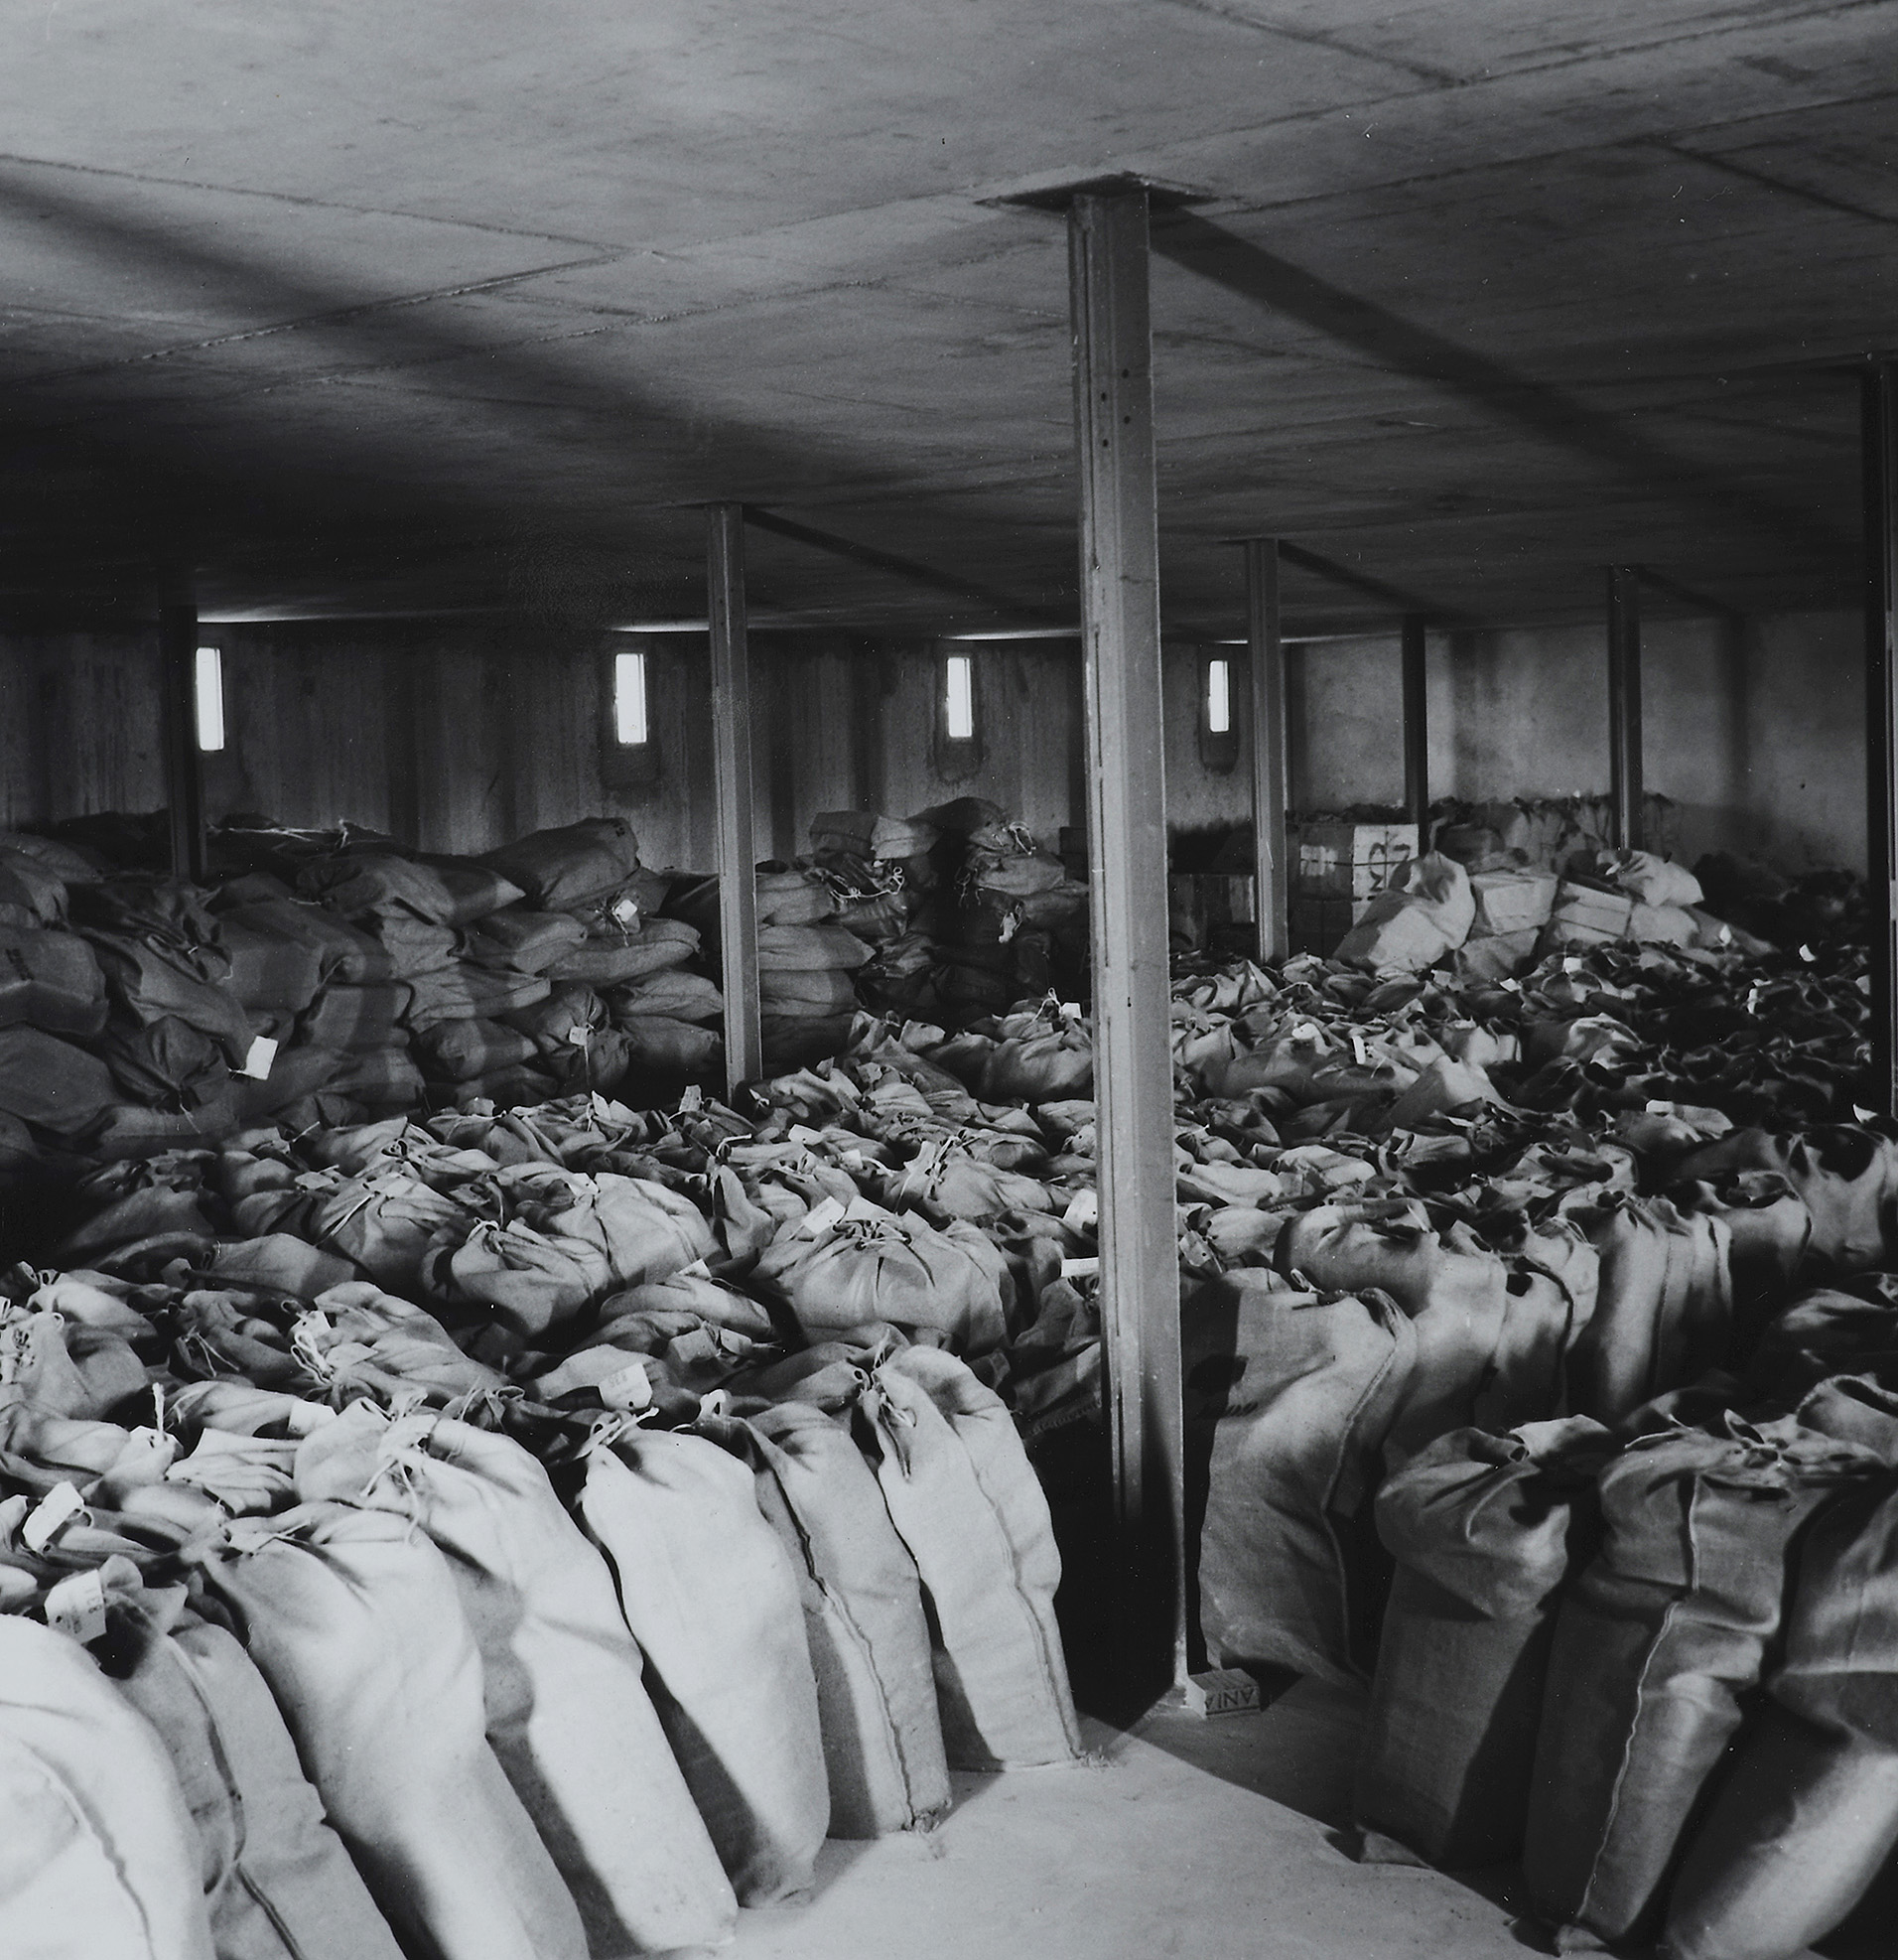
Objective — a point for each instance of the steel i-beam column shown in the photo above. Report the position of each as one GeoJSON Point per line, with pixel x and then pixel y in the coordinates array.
{"type": "Point", "coordinates": [1625, 786]}
{"type": "Point", "coordinates": [1270, 748]}
{"type": "Point", "coordinates": [1417, 729]}
{"type": "Point", "coordinates": [732, 768]}
{"type": "Point", "coordinates": [183, 767]}
{"type": "Point", "coordinates": [1881, 720]}
{"type": "Point", "coordinates": [1127, 812]}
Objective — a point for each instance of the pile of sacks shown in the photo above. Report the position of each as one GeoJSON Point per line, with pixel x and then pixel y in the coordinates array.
{"type": "Point", "coordinates": [807, 962]}
{"type": "Point", "coordinates": [1497, 916]}
{"type": "Point", "coordinates": [880, 871]}
{"type": "Point", "coordinates": [496, 1539]}
{"type": "Point", "coordinates": [1007, 919]}
{"type": "Point", "coordinates": [328, 976]}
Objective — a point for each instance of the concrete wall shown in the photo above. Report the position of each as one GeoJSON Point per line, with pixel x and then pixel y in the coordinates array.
{"type": "Point", "coordinates": [460, 737]}
{"type": "Point", "coordinates": [1757, 733]}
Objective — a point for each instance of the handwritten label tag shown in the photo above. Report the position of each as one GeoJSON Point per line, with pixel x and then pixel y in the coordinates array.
{"type": "Point", "coordinates": [76, 1606]}
{"type": "Point", "coordinates": [820, 1219]}
{"type": "Point", "coordinates": [57, 1509]}
{"type": "Point", "coordinates": [629, 1388]}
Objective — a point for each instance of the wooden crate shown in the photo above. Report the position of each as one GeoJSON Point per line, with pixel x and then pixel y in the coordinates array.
{"type": "Point", "coordinates": [1349, 860]}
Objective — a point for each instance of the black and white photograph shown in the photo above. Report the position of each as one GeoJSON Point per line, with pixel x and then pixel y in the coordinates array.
{"type": "Point", "coordinates": [948, 979]}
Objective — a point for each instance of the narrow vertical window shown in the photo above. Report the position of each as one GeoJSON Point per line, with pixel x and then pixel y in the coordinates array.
{"type": "Point", "coordinates": [629, 699]}
{"type": "Point", "coordinates": [207, 689]}
{"type": "Point", "coordinates": [959, 697]}
{"type": "Point", "coordinates": [1218, 697]}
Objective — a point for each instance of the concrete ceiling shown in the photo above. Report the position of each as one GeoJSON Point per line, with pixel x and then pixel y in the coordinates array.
{"type": "Point", "coordinates": [325, 306]}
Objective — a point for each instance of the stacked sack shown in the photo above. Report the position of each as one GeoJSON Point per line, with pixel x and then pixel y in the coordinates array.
{"type": "Point", "coordinates": [535, 1546]}
{"type": "Point", "coordinates": [1492, 913]}
{"type": "Point", "coordinates": [880, 871]}
{"type": "Point", "coordinates": [325, 976]}
{"type": "Point", "coordinates": [807, 962]}
{"type": "Point", "coordinates": [1007, 919]}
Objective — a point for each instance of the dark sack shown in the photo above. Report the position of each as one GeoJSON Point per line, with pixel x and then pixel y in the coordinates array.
{"type": "Point", "coordinates": [1659, 1641]}
{"type": "Point", "coordinates": [1808, 1813]}
{"type": "Point", "coordinates": [558, 868]}
{"type": "Point", "coordinates": [270, 969]}
{"type": "Point", "coordinates": [1289, 1397]}
{"type": "Point", "coordinates": [167, 1064]}
{"type": "Point", "coordinates": [343, 951]}
{"type": "Point", "coordinates": [1484, 1529]}
{"type": "Point", "coordinates": [459, 1050]}
{"type": "Point", "coordinates": [50, 980]}
{"type": "Point", "coordinates": [352, 1018]}
{"type": "Point", "coordinates": [156, 975]}
{"type": "Point", "coordinates": [51, 1084]}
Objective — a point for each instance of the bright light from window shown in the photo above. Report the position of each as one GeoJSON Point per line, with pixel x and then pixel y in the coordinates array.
{"type": "Point", "coordinates": [629, 699]}
{"type": "Point", "coordinates": [1219, 697]}
{"type": "Point", "coordinates": [959, 697]}
{"type": "Point", "coordinates": [207, 692]}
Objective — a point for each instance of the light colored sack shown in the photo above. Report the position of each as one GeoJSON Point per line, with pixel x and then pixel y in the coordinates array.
{"type": "Point", "coordinates": [864, 1618]}
{"type": "Point", "coordinates": [1425, 912]}
{"type": "Point", "coordinates": [566, 1711]}
{"type": "Point", "coordinates": [961, 1493]}
{"type": "Point", "coordinates": [99, 1860]}
{"type": "Point", "coordinates": [711, 1596]}
{"type": "Point", "coordinates": [277, 1882]}
{"type": "Point", "coordinates": [353, 1619]}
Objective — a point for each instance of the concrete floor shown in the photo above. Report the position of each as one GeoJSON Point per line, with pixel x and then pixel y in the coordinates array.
{"type": "Point", "coordinates": [1212, 1840]}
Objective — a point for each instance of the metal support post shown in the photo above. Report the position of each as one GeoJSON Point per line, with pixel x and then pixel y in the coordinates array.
{"type": "Point", "coordinates": [1882, 722]}
{"type": "Point", "coordinates": [183, 767]}
{"type": "Point", "coordinates": [1625, 786]}
{"type": "Point", "coordinates": [1271, 776]}
{"type": "Point", "coordinates": [1127, 812]}
{"type": "Point", "coordinates": [732, 767]}
{"type": "Point", "coordinates": [1416, 730]}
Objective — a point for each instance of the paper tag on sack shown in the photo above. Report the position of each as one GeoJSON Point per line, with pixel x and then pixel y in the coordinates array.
{"type": "Point", "coordinates": [693, 1349]}
{"type": "Point", "coordinates": [630, 1388]}
{"type": "Point", "coordinates": [57, 1509]}
{"type": "Point", "coordinates": [1080, 1269]}
{"type": "Point", "coordinates": [1070, 1010]}
{"type": "Point", "coordinates": [1807, 955]}
{"type": "Point", "coordinates": [1083, 1213]}
{"type": "Point", "coordinates": [1660, 1109]}
{"type": "Point", "coordinates": [717, 1403]}
{"type": "Point", "coordinates": [698, 1270]}
{"type": "Point", "coordinates": [692, 1096]}
{"type": "Point", "coordinates": [1361, 1049]}
{"type": "Point", "coordinates": [76, 1606]}
{"type": "Point", "coordinates": [588, 1369]}
{"type": "Point", "coordinates": [1861, 1114]}
{"type": "Point", "coordinates": [819, 1220]}
{"type": "Point", "coordinates": [1571, 964]}
{"type": "Point", "coordinates": [261, 1058]}
{"type": "Point", "coordinates": [579, 1037]}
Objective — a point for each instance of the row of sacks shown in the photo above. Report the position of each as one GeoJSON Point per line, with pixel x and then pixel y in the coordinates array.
{"type": "Point", "coordinates": [331, 975]}
{"type": "Point", "coordinates": [1497, 921]}
{"type": "Point", "coordinates": [388, 1656]}
{"type": "Point", "coordinates": [1656, 1662]}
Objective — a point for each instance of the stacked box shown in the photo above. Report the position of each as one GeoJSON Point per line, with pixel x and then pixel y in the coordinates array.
{"type": "Point", "coordinates": [1350, 860]}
